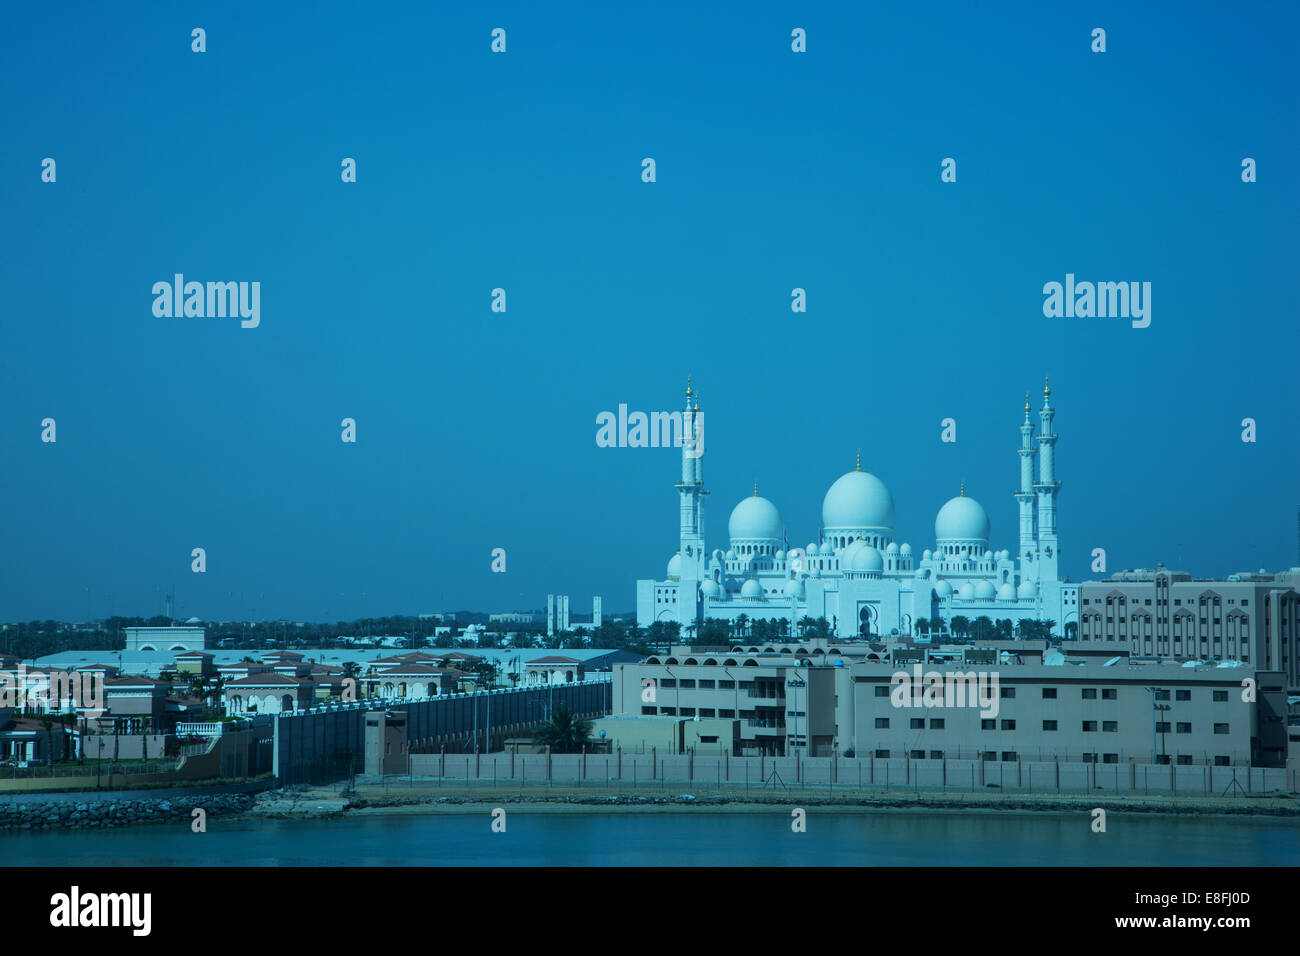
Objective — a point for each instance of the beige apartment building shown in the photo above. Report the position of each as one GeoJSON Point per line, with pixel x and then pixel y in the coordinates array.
{"type": "Point", "coordinates": [1252, 618]}
{"type": "Point", "coordinates": [839, 698]}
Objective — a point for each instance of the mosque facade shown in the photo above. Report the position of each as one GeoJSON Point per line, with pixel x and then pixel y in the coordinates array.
{"type": "Point", "coordinates": [855, 574]}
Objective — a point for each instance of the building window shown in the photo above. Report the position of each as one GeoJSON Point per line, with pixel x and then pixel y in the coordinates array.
{"type": "Point", "coordinates": [918, 723]}
{"type": "Point", "coordinates": [1162, 727]}
{"type": "Point", "coordinates": [707, 684]}
{"type": "Point", "coordinates": [688, 683]}
{"type": "Point", "coordinates": [649, 711]}
{"type": "Point", "coordinates": [668, 682]}
{"type": "Point", "coordinates": [1184, 759]}
{"type": "Point", "coordinates": [987, 724]}
{"type": "Point", "coordinates": [726, 685]}
{"type": "Point", "coordinates": [936, 723]}
{"type": "Point", "coordinates": [936, 754]}
{"type": "Point", "coordinates": [882, 723]}
{"type": "Point", "coordinates": [1008, 692]}
{"type": "Point", "coordinates": [1220, 696]}
{"type": "Point", "coordinates": [1009, 756]}
{"type": "Point", "coordinates": [1049, 693]}
{"type": "Point", "coordinates": [1184, 727]}
{"type": "Point", "coordinates": [1089, 726]}
{"type": "Point", "coordinates": [1090, 693]}
{"type": "Point", "coordinates": [1049, 725]}
{"type": "Point", "coordinates": [1182, 695]}
{"type": "Point", "coordinates": [1110, 726]}
{"type": "Point", "coordinates": [1162, 695]}
{"type": "Point", "coordinates": [1008, 725]}
{"type": "Point", "coordinates": [882, 691]}
{"type": "Point", "coordinates": [1220, 728]}
{"type": "Point", "coordinates": [1110, 758]}
{"type": "Point", "coordinates": [726, 713]}
{"type": "Point", "coordinates": [918, 754]}
{"type": "Point", "coordinates": [669, 711]}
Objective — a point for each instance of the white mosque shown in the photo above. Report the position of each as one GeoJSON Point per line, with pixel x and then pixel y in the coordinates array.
{"type": "Point", "coordinates": [855, 574]}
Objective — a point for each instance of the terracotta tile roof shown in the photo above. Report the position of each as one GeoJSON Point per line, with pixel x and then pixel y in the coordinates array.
{"type": "Point", "coordinates": [270, 679]}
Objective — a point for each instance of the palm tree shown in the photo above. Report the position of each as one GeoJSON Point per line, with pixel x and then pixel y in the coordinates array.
{"type": "Point", "coordinates": [563, 733]}
{"type": "Point", "coordinates": [47, 722]}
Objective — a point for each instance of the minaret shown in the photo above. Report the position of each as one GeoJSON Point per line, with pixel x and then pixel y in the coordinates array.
{"type": "Point", "coordinates": [1047, 488]}
{"type": "Point", "coordinates": [1025, 496]}
{"type": "Point", "coordinates": [691, 490]}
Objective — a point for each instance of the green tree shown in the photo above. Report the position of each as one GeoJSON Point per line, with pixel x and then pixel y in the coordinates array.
{"type": "Point", "coordinates": [960, 625]}
{"type": "Point", "coordinates": [563, 733]}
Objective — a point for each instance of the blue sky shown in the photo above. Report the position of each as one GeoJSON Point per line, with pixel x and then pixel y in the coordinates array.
{"type": "Point", "coordinates": [476, 429]}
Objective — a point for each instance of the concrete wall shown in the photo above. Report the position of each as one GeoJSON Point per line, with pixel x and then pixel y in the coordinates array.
{"type": "Point", "coordinates": [328, 742]}
{"type": "Point", "coordinates": [628, 770]}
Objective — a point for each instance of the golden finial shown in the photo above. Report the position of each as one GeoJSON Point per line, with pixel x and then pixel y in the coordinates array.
{"type": "Point", "coordinates": [697, 401]}
{"type": "Point", "coordinates": [1047, 389]}
{"type": "Point", "coordinates": [755, 487]}
{"type": "Point", "coordinates": [859, 466]}
{"type": "Point", "coordinates": [962, 493]}
{"type": "Point", "coordinates": [1026, 401]}
{"type": "Point", "coordinates": [688, 386]}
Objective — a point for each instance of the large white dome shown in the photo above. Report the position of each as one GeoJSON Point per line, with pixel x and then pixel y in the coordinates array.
{"type": "Point", "coordinates": [754, 518]}
{"type": "Point", "coordinates": [858, 500]}
{"type": "Point", "coordinates": [751, 590]}
{"type": "Point", "coordinates": [962, 519]}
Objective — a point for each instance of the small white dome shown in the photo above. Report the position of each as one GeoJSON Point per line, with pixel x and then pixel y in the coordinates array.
{"type": "Point", "coordinates": [926, 555]}
{"type": "Point", "coordinates": [868, 559]}
{"type": "Point", "coordinates": [779, 556]}
{"type": "Point", "coordinates": [751, 590]}
{"type": "Point", "coordinates": [1007, 591]}
{"type": "Point", "coordinates": [754, 518]}
{"type": "Point", "coordinates": [943, 589]}
{"type": "Point", "coordinates": [794, 588]}
{"type": "Point", "coordinates": [848, 554]}
{"type": "Point", "coordinates": [967, 591]}
{"type": "Point", "coordinates": [812, 550]}
{"type": "Point", "coordinates": [1027, 589]}
{"type": "Point", "coordinates": [906, 549]}
{"type": "Point", "coordinates": [985, 591]}
{"type": "Point", "coordinates": [891, 548]}
{"type": "Point", "coordinates": [675, 566]}
{"type": "Point", "coordinates": [988, 555]}
{"type": "Point", "coordinates": [731, 555]}
{"type": "Point", "coordinates": [710, 589]}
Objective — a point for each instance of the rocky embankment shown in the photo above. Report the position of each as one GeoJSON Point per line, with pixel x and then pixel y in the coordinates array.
{"type": "Point", "coordinates": [41, 815]}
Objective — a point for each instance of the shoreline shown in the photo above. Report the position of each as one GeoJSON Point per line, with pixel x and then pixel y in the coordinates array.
{"type": "Point", "coordinates": [372, 801]}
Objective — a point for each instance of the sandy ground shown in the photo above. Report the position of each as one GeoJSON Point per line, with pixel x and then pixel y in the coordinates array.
{"type": "Point", "coordinates": [372, 799]}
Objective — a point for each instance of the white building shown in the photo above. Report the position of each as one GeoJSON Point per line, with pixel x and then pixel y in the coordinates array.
{"type": "Point", "coordinates": [854, 573]}
{"type": "Point", "coordinates": [165, 638]}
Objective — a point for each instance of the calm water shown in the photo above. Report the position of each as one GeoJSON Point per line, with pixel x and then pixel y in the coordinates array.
{"type": "Point", "coordinates": [658, 839]}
